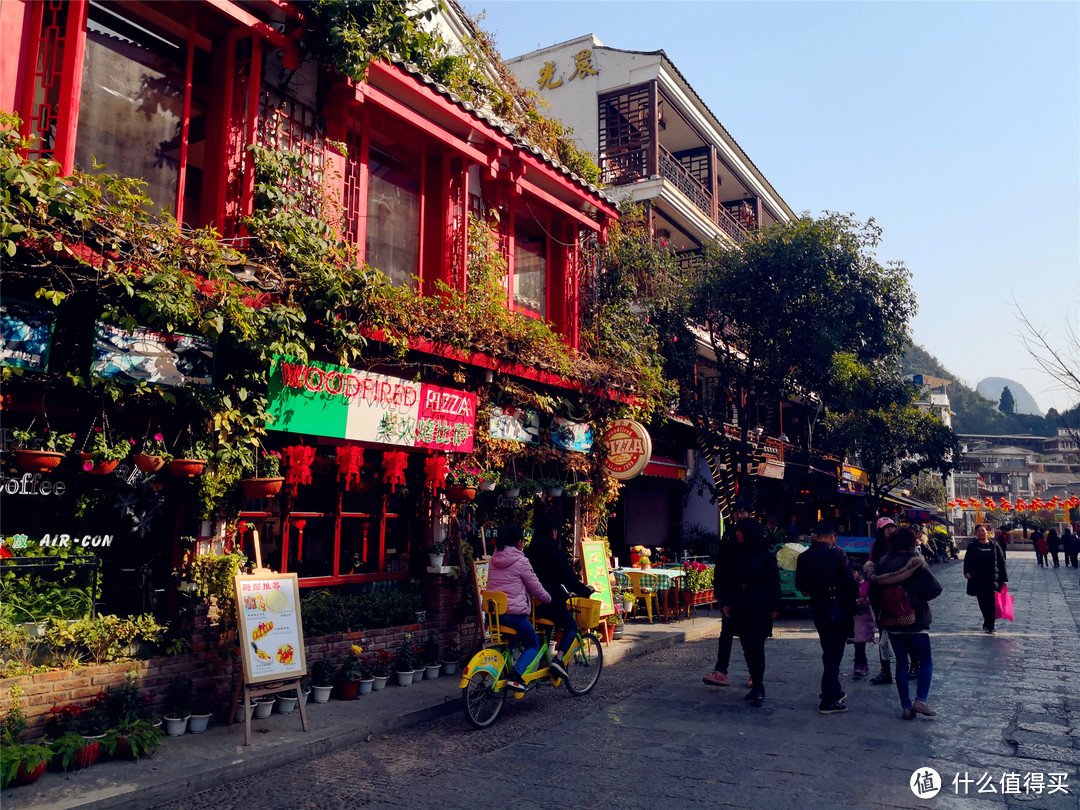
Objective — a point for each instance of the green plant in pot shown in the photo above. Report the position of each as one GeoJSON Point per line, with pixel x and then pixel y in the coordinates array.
{"type": "Point", "coordinates": [202, 709]}
{"type": "Point", "coordinates": [178, 699]}
{"type": "Point", "coordinates": [436, 553]}
{"type": "Point", "coordinates": [323, 672]}
{"type": "Point", "coordinates": [529, 487]}
{"type": "Point", "coordinates": [151, 454]}
{"type": "Point", "coordinates": [101, 452]}
{"type": "Point", "coordinates": [136, 738]}
{"type": "Point", "coordinates": [41, 450]}
{"type": "Point", "coordinates": [22, 763]}
{"type": "Point", "coordinates": [67, 751]}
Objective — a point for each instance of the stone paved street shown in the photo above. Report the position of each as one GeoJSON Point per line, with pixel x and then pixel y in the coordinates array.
{"type": "Point", "coordinates": [652, 735]}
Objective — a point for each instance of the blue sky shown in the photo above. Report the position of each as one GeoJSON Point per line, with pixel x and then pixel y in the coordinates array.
{"type": "Point", "coordinates": [956, 125]}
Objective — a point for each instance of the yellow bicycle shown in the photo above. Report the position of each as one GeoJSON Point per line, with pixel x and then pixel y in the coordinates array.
{"type": "Point", "coordinates": [483, 681]}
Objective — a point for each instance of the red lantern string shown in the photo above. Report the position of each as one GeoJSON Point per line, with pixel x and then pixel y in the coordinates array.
{"type": "Point", "coordinates": [394, 462]}
{"type": "Point", "coordinates": [298, 459]}
{"type": "Point", "coordinates": [350, 459]}
{"type": "Point", "coordinates": [436, 468]}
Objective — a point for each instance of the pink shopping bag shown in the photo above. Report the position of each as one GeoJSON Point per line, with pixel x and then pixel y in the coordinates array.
{"type": "Point", "coordinates": [1003, 604]}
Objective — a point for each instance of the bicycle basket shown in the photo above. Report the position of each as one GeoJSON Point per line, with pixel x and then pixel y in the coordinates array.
{"type": "Point", "coordinates": [587, 612]}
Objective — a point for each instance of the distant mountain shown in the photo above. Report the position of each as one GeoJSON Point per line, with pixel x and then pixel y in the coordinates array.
{"type": "Point", "coordinates": [972, 412]}
{"type": "Point", "coordinates": [991, 388]}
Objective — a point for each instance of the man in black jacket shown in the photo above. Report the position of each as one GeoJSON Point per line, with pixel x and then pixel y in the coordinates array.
{"type": "Point", "coordinates": [718, 677]}
{"type": "Point", "coordinates": [824, 574]}
{"type": "Point", "coordinates": [553, 569]}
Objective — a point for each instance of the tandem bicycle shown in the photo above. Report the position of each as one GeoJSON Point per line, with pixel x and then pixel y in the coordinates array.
{"type": "Point", "coordinates": [483, 681]}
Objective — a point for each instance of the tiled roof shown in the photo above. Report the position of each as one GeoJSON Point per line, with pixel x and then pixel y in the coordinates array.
{"type": "Point", "coordinates": [506, 129]}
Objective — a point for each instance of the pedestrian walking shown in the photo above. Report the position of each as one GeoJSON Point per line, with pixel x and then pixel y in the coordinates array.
{"type": "Point", "coordinates": [750, 597]}
{"type": "Point", "coordinates": [724, 558]}
{"type": "Point", "coordinates": [1038, 539]}
{"type": "Point", "coordinates": [984, 569]}
{"type": "Point", "coordinates": [885, 528]}
{"type": "Point", "coordinates": [901, 587]}
{"type": "Point", "coordinates": [1003, 540]}
{"type": "Point", "coordinates": [864, 625]}
{"type": "Point", "coordinates": [1053, 545]}
{"type": "Point", "coordinates": [1070, 542]}
{"type": "Point", "coordinates": [824, 574]}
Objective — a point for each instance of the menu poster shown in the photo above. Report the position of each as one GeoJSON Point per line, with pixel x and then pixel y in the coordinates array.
{"type": "Point", "coordinates": [268, 623]}
{"type": "Point", "coordinates": [596, 574]}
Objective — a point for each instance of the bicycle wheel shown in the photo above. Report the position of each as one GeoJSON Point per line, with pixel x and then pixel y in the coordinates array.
{"type": "Point", "coordinates": [482, 700]}
{"type": "Point", "coordinates": [584, 665]}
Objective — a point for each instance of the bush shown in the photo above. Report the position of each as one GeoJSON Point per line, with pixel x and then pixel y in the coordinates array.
{"type": "Point", "coordinates": [327, 612]}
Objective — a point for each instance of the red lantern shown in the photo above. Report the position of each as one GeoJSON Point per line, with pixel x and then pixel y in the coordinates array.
{"type": "Point", "coordinates": [962, 503]}
{"type": "Point", "coordinates": [436, 468]}
{"type": "Point", "coordinates": [298, 460]}
{"type": "Point", "coordinates": [394, 462]}
{"type": "Point", "coordinates": [952, 504]}
{"type": "Point", "coordinates": [350, 459]}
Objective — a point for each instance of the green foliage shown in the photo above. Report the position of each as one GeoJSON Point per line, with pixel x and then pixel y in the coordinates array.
{"type": "Point", "coordinates": [179, 696]}
{"type": "Point", "coordinates": [1007, 403]}
{"type": "Point", "coordinates": [328, 611]}
{"type": "Point", "coordinates": [213, 576]}
{"type": "Point", "coordinates": [65, 748]}
{"type": "Point", "coordinates": [14, 723]}
{"type": "Point", "coordinates": [103, 638]}
{"type": "Point", "coordinates": [45, 439]}
{"type": "Point", "coordinates": [141, 735]}
{"type": "Point", "coordinates": [125, 704]}
{"type": "Point", "coordinates": [322, 671]}
{"type": "Point", "coordinates": [29, 756]}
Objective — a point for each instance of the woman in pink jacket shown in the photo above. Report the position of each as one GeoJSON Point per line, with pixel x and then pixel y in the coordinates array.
{"type": "Point", "coordinates": [511, 573]}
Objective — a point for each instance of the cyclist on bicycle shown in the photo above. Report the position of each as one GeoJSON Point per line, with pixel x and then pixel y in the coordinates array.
{"type": "Point", "coordinates": [511, 573]}
{"type": "Point", "coordinates": [553, 568]}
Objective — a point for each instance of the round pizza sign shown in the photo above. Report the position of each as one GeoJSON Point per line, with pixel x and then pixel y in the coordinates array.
{"type": "Point", "coordinates": [629, 448]}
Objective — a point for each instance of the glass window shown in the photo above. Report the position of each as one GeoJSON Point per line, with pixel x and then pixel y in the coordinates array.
{"type": "Point", "coordinates": [132, 106]}
{"type": "Point", "coordinates": [393, 209]}
{"type": "Point", "coordinates": [530, 267]}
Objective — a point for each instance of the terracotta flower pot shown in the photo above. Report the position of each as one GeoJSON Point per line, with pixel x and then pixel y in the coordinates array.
{"type": "Point", "coordinates": [346, 690]}
{"type": "Point", "coordinates": [261, 487]}
{"type": "Point", "coordinates": [186, 467]}
{"type": "Point", "coordinates": [460, 494]}
{"type": "Point", "coordinates": [148, 463]}
{"type": "Point", "coordinates": [38, 461]}
{"type": "Point", "coordinates": [25, 777]}
{"type": "Point", "coordinates": [104, 468]}
{"type": "Point", "coordinates": [88, 755]}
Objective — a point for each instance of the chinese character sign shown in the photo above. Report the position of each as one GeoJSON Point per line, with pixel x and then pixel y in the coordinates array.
{"type": "Point", "coordinates": [271, 638]}
{"type": "Point", "coordinates": [548, 78]}
{"type": "Point", "coordinates": [327, 400]}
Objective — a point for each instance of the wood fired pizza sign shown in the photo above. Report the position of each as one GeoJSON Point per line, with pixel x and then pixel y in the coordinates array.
{"type": "Point", "coordinates": [629, 448]}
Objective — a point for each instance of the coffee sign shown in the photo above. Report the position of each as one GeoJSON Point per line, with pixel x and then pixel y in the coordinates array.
{"type": "Point", "coordinates": [629, 448]}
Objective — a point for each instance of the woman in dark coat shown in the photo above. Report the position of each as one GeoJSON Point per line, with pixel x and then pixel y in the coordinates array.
{"type": "Point", "coordinates": [1053, 545]}
{"type": "Point", "coordinates": [905, 567]}
{"type": "Point", "coordinates": [984, 569]}
{"type": "Point", "coordinates": [749, 596]}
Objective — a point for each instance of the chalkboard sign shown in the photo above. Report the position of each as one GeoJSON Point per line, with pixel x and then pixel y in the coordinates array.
{"type": "Point", "coordinates": [268, 622]}
{"type": "Point", "coordinates": [596, 574]}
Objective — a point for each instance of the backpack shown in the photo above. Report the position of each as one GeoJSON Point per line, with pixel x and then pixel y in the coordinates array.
{"type": "Point", "coordinates": [896, 609]}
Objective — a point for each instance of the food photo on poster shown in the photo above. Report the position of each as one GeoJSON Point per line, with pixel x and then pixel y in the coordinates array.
{"type": "Point", "coordinates": [271, 624]}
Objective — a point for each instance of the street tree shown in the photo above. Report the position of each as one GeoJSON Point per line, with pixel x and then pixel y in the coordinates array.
{"type": "Point", "coordinates": [1059, 362]}
{"type": "Point", "coordinates": [1007, 403]}
{"type": "Point", "coordinates": [771, 319]}
{"type": "Point", "coordinates": [893, 444]}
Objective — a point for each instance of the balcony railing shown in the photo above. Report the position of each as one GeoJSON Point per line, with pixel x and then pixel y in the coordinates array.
{"type": "Point", "coordinates": [673, 171]}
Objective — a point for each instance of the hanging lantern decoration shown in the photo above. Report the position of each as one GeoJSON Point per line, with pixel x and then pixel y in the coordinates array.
{"type": "Point", "coordinates": [350, 459]}
{"type": "Point", "coordinates": [952, 504]}
{"type": "Point", "coordinates": [298, 459]}
{"type": "Point", "coordinates": [962, 503]}
{"type": "Point", "coordinates": [436, 468]}
{"type": "Point", "coordinates": [393, 463]}
{"type": "Point", "coordinates": [990, 505]}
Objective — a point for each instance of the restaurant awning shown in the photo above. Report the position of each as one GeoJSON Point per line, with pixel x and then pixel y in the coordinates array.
{"type": "Point", "coordinates": [663, 467]}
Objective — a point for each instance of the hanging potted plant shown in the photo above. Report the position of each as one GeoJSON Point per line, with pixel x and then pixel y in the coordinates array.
{"type": "Point", "coordinates": [489, 479]}
{"type": "Point", "coordinates": [41, 451]}
{"type": "Point", "coordinates": [553, 487]}
{"type": "Point", "coordinates": [192, 463]}
{"type": "Point", "coordinates": [268, 479]}
{"type": "Point", "coordinates": [463, 480]}
{"type": "Point", "coordinates": [100, 453]}
{"type": "Point", "coordinates": [151, 454]}
{"type": "Point", "coordinates": [529, 487]}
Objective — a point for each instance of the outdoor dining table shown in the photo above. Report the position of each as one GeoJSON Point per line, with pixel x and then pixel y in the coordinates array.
{"type": "Point", "coordinates": [667, 581]}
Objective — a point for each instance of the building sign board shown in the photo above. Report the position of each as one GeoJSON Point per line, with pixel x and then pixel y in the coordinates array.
{"type": "Point", "coordinates": [629, 448]}
{"type": "Point", "coordinates": [576, 436]}
{"type": "Point", "coordinates": [322, 399]}
{"type": "Point", "coordinates": [515, 424]}
{"type": "Point", "coordinates": [853, 480]}
{"type": "Point", "coordinates": [26, 332]}
{"type": "Point", "coordinates": [158, 358]}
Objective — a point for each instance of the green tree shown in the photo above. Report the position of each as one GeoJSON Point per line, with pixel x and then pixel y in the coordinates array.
{"type": "Point", "coordinates": [929, 490]}
{"type": "Point", "coordinates": [1007, 403]}
{"type": "Point", "coordinates": [893, 444]}
{"type": "Point", "coordinates": [775, 315]}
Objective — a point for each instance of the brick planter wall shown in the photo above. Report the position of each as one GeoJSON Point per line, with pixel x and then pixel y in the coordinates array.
{"type": "Point", "coordinates": [206, 666]}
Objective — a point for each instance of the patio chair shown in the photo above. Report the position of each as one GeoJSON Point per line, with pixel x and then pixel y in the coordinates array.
{"type": "Point", "coordinates": [645, 590]}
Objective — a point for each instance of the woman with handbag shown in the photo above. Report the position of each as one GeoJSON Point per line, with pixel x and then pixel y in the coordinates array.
{"type": "Point", "coordinates": [901, 587]}
{"type": "Point", "coordinates": [984, 569]}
